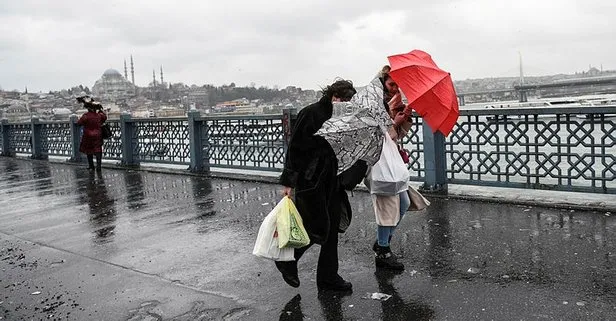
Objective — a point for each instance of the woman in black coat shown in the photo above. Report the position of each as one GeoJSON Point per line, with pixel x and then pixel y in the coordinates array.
{"type": "Point", "coordinates": [310, 171]}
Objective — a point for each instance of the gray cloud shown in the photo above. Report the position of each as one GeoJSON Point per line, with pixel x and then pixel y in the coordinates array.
{"type": "Point", "coordinates": [51, 45]}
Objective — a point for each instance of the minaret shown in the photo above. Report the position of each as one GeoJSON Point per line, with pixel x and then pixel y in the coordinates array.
{"type": "Point", "coordinates": [132, 70]}
{"type": "Point", "coordinates": [521, 70]}
{"type": "Point", "coordinates": [153, 77]}
{"type": "Point", "coordinates": [162, 80]}
{"type": "Point", "coordinates": [27, 99]}
{"type": "Point", "coordinates": [125, 70]}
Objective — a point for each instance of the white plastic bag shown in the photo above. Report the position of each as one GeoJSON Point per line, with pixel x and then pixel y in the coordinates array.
{"type": "Point", "coordinates": [389, 176]}
{"type": "Point", "coordinates": [266, 244]}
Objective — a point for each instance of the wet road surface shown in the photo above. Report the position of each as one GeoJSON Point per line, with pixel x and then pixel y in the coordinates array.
{"type": "Point", "coordinates": [132, 245]}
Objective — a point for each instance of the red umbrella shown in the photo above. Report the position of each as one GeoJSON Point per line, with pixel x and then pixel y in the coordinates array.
{"type": "Point", "coordinates": [428, 89]}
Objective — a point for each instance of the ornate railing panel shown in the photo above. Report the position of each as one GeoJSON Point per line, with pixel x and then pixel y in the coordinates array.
{"type": "Point", "coordinates": [250, 142]}
{"type": "Point", "coordinates": [20, 138]}
{"type": "Point", "coordinates": [544, 148]}
{"type": "Point", "coordinates": [112, 147]}
{"type": "Point", "coordinates": [56, 139]}
{"type": "Point", "coordinates": [413, 144]}
{"type": "Point", "coordinates": [162, 141]}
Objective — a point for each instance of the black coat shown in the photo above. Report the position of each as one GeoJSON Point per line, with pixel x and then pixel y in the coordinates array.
{"type": "Point", "coordinates": [311, 167]}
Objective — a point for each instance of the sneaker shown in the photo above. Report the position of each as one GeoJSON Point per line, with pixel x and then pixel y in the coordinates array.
{"type": "Point", "coordinates": [387, 260]}
{"type": "Point", "coordinates": [288, 269]}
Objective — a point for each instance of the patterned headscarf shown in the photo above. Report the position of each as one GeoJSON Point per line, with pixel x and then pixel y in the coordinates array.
{"type": "Point", "coordinates": [356, 128]}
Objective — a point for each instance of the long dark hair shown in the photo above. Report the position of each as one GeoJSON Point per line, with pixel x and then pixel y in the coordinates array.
{"type": "Point", "coordinates": [341, 88]}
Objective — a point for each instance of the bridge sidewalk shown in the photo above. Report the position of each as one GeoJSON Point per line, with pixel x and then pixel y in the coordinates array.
{"type": "Point", "coordinates": [137, 245]}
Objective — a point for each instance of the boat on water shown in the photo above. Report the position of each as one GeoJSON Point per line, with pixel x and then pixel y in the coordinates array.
{"type": "Point", "coordinates": [562, 102]}
{"type": "Point", "coordinates": [516, 105]}
{"type": "Point", "coordinates": [599, 101]}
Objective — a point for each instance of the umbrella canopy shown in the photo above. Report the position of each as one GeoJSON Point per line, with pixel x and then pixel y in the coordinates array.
{"type": "Point", "coordinates": [355, 130]}
{"type": "Point", "coordinates": [428, 89]}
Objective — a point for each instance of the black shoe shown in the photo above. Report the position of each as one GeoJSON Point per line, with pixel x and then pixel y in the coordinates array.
{"type": "Point", "coordinates": [387, 260]}
{"type": "Point", "coordinates": [339, 285]}
{"type": "Point", "coordinates": [289, 272]}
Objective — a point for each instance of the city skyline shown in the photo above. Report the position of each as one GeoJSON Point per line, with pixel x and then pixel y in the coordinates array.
{"type": "Point", "coordinates": [153, 80]}
{"type": "Point", "coordinates": [51, 46]}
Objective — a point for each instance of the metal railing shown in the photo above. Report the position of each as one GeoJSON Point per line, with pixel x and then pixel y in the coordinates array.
{"type": "Point", "coordinates": [567, 148]}
{"type": "Point", "coordinates": [56, 138]}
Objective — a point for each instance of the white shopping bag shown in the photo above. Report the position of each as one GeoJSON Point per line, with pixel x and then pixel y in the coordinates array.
{"type": "Point", "coordinates": [389, 176]}
{"type": "Point", "coordinates": [267, 240]}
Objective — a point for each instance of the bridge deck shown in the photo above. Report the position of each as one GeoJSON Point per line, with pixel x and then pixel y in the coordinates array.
{"type": "Point", "coordinates": [138, 245]}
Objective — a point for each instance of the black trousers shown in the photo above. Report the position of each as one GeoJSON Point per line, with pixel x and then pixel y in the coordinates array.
{"type": "Point", "coordinates": [323, 200]}
{"type": "Point", "coordinates": [99, 157]}
{"type": "Point", "coordinates": [327, 268]}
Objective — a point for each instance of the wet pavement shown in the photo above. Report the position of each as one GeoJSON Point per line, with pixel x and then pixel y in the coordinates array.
{"type": "Point", "coordinates": [134, 245]}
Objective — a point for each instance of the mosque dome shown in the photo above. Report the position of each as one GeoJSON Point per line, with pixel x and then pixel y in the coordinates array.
{"type": "Point", "coordinates": [112, 85]}
{"type": "Point", "coordinates": [111, 73]}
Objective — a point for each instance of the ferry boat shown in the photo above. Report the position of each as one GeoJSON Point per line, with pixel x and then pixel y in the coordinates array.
{"type": "Point", "coordinates": [584, 101]}
{"type": "Point", "coordinates": [516, 105]}
{"type": "Point", "coordinates": [599, 101]}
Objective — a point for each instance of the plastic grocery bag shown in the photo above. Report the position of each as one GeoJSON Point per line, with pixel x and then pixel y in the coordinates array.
{"type": "Point", "coordinates": [389, 176]}
{"type": "Point", "coordinates": [267, 239]}
{"type": "Point", "coordinates": [291, 231]}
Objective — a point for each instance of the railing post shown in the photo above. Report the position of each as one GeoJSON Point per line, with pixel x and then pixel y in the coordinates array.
{"type": "Point", "coordinates": [75, 140]}
{"type": "Point", "coordinates": [523, 96]}
{"type": "Point", "coordinates": [195, 131]}
{"type": "Point", "coordinates": [288, 120]}
{"type": "Point", "coordinates": [6, 138]}
{"type": "Point", "coordinates": [36, 140]}
{"type": "Point", "coordinates": [127, 126]}
{"type": "Point", "coordinates": [435, 161]}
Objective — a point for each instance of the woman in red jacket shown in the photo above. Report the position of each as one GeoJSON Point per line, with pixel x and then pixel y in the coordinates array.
{"type": "Point", "coordinates": [92, 138]}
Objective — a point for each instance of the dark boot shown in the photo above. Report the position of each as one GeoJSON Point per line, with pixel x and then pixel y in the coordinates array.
{"type": "Point", "coordinates": [99, 158]}
{"type": "Point", "coordinates": [90, 158]}
{"type": "Point", "coordinates": [385, 259]}
{"type": "Point", "coordinates": [337, 284]}
{"type": "Point", "coordinates": [375, 246]}
{"type": "Point", "coordinates": [289, 272]}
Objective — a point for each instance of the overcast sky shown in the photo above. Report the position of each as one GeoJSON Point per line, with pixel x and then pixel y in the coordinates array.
{"type": "Point", "coordinates": [50, 45]}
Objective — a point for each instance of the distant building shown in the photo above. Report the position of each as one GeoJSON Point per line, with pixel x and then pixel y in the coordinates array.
{"type": "Point", "coordinates": [10, 94]}
{"type": "Point", "coordinates": [113, 86]}
{"type": "Point", "coordinates": [198, 97]}
{"type": "Point", "coordinates": [592, 71]}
